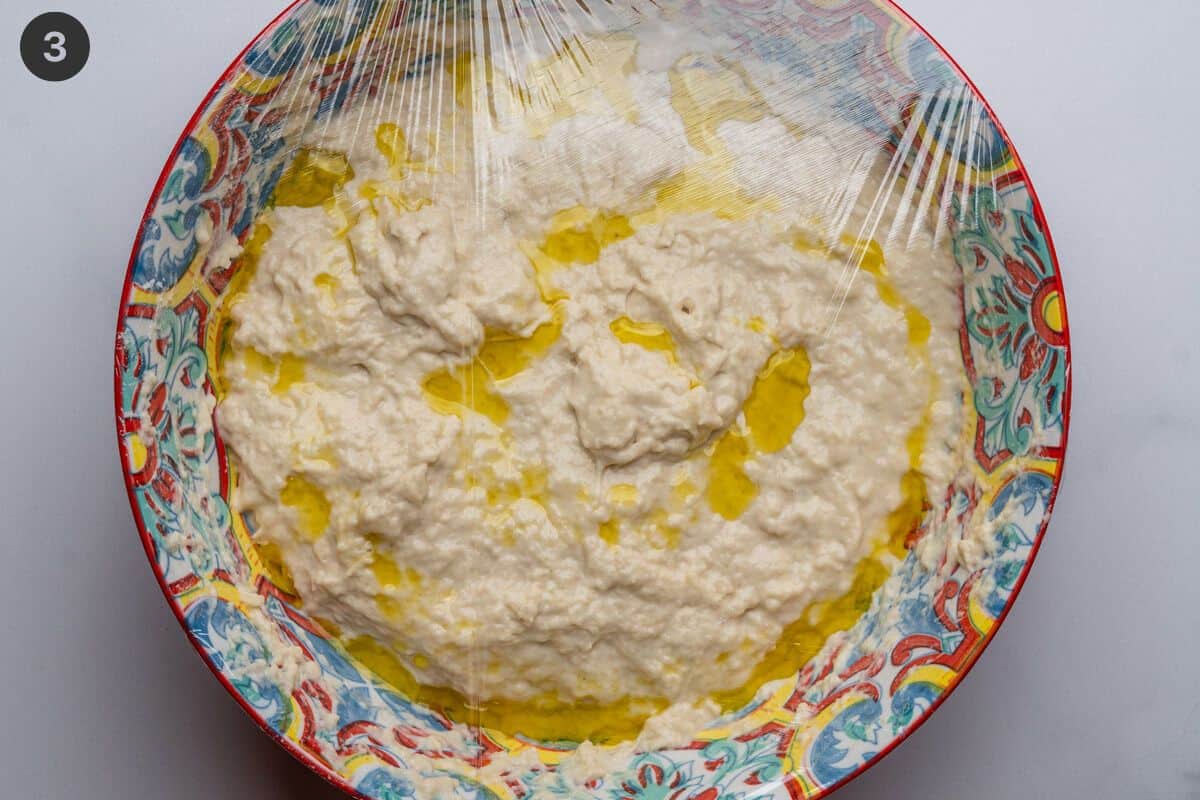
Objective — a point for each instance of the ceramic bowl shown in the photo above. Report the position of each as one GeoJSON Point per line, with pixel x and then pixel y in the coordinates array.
{"type": "Point", "coordinates": [853, 702]}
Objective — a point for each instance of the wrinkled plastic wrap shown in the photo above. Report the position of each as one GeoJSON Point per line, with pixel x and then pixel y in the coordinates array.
{"type": "Point", "coordinates": [605, 399]}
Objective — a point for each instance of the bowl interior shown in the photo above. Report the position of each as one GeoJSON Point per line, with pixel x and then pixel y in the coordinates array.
{"type": "Point", "coordinates": [867, 688]}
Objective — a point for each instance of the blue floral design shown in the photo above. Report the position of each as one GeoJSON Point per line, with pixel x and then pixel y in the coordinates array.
{"type": "Point", "coordinates": [850, 740]}
{"type": "Point", "coordinates": [1027, 498]}
{"type": "Point", "coordinates": [910, 704]}
{"type": "Point", "coordinates": [232, 643]}
{"type": "Point", "coordinates": [385, 784]}
{"type": "Point", "coordinates": [168, 241]}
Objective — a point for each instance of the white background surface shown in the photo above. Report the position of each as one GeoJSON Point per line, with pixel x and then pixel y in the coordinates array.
{"type": "Point", "coordinates": [1090, 689]}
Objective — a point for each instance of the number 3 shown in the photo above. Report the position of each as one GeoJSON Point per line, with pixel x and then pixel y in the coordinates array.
{"type": "Point", "coordinates": [56, 52]}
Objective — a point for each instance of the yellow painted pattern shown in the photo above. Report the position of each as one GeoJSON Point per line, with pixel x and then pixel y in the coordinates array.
{"type": "Point", "coordinates": [137, 452]}
{"type": "Point", "coordinates": [1052, 312]}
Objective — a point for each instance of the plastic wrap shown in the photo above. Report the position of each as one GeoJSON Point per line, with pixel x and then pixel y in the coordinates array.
{"type": "Point", "coordinates": [592, 398]}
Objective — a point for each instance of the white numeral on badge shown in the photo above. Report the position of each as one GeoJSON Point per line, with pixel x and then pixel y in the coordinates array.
{"type": "Point", "coordinates": [56, 52]}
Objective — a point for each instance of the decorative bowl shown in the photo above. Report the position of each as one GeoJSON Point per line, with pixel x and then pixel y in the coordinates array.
{"type": "Point", "coordinates": [854, 701]}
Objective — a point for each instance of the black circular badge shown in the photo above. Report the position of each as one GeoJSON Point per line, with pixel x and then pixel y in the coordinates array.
{"type": "Point", "coordinates": [55, 46]}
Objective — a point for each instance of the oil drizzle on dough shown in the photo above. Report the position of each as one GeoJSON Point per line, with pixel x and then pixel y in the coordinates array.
{"type": "Point", "coordinates": [312, 507]}
{"type": "Point", "coordinates": [773, 411]}
{"type": "Point", "coordinates": [775, 407]}
{"type": "Point", "coordinates": [244, 269]}
{"type": "Point", "coordinates": [398, 586]}
{"type": "Point", "coordinates": [502, 355]}
{"type": "Point", "coordinates": [576, 235]}
{"type": "Point", "coordinates": [312, 178]}
{"type": "Point", "coordinates": [730, 490]}
{"type": "Point", "coordinates": [392, 144]}
{"type": "Point", "coordinates": [269, 554]}
{"type": "Point", "coordinates": [868, 256]}
{"type": "Point", "coordinates": [647, 335]}
{"type": "Point", "coordinates": [544, 717]}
